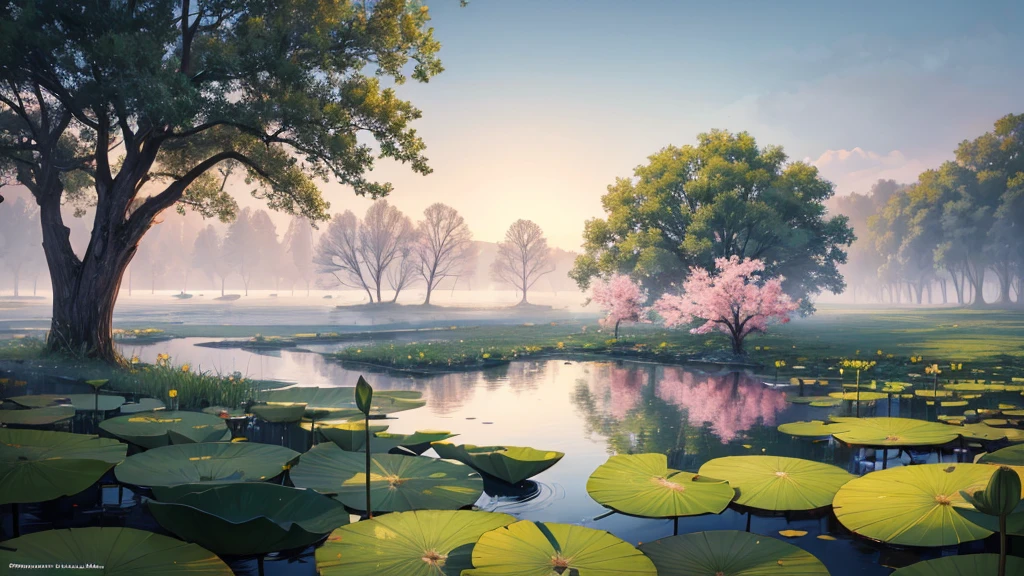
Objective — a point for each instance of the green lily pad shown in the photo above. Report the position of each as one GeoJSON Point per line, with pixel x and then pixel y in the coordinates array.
{"type": "Point", "coordinates": [895, 432]}
{"type": "Point", "coordinates": [161, 428]}
{"type": "Point", "coordinates": [778, 483]}
{"type": "Point", "coordinates": [205, 462]}
{"type": "Point", "coordinates": [812, 429]}
{"type": "Point", "coordinates": [397, 483]}
{"type": "Point", "coordinates": [37, 465]}
{"type": "Point", "coordinates": [913, 505]}
{"type": "Point", "coordinates": [417, 543]}
{"type": "Point", "coordinates": [342, 401]}
{"type": "Point", "coordinates": [813, 399]}
{"type": "Point", "coordinates": [644, 485]}
{"type": "Point", "coordinates": [1014, 521]}
{"type": "Point", "coordinates": [87, 402]}
{"type": "Point", "coordinates": [528, 548]}
{"type": "Point", "coordinates": [36, 416]}
{"type": "Point", "coordinates": [1010, 456]}
{"type": "Point", "coordinates": [120, 551]}
{"type": "Point", "coordinates": [862, 396]}
{"type": "Point", "coordinates": [730, 553]}
{"type": "Point", "coordinates": [40, 400]}
{"type": "Point", "coordinates": [511, 464]}
{"type": "Point", "coordinates": [249, 518]}
{"type": "Point", "coordinates": [349, 436]}
{"type": "Point", "coordinates": [418, 442]}
{"type": "Point", "coordinates": [143, 405]}
{"type": "Point", "coordinates": [966, 565]}
{"type": "Point", "coordinates": [279, 411]}
{"type": "Point", "coordinates": [219, 411]}
{"type": "Point", "coordinates": [988, 433]}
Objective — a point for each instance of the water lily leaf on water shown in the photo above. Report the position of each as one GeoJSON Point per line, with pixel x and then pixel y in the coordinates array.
{"type": "Point", "coordinates": [143, 405]}
{"type": "Point", "coordinates": [397, 483]}
{"type": "Point", "coordinates": [778, 483]}
{"type": "Point", "coordinates": [966, 565]}
{"type": "Point", "coordinates": [417, 543]}
{"type": "Point", "coordinates": [36, 465]}
{"type": "Point", "coordinates": [279, 411]}
{"type": "Point", "coordinates": [349, 436]}
{"type": "Point", "coordinates": [644, 485]}
{"type": "Point", "coordinates": [812, 429]}
{"type": "Point", "coordinates": [221, 411]}
{"type": "Point", "coordinates": [87, 402]}
{"type": "Point", "coordinates": [205, 462]}
{"type": "Point", "coordinates": [528, 548]}
{"type": "Point", "coordinates": [895, 432]}
{"type": "Point", "coordinates": [986, 432]}
{"type": "Point", "coordinates": [1014, 521]}
{"type": "Point", "coordinates": [39, 400]}
{"type": "Point", "coordinates": [913, 505]}
{"type": "Point", "coordinates": [793, 533]}
{"type": "Point", "coordinates": [1010, 456]}
{"type": "Point", "coordinates": [730, 553]}
{"type": "Point", "coordinates": [121, 551]}
{"type": "Point", "coordinates": [36, 416]}
{"type": "Point", "coordinates": [418, 442]}
{"type": "Point", "coordinates": [511, 464]}
{"type": "Point", "coordinates": [248, 518]}
{"type": "Point", "coordinates": [160, 428]}
{"type": "Point", "coordinates": [813, 399]}
{"type": "Point", "coordinates": [342, 400]}
{"type": "Point", "coordinates": [862, 396]}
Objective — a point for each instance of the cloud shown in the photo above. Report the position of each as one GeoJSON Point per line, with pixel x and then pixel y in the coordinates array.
{"type": "Point", "coordinates": [855, 170]}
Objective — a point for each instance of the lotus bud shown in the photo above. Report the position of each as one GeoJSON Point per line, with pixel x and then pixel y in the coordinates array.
{"type": "Point", "coordinates": [1002, 494]}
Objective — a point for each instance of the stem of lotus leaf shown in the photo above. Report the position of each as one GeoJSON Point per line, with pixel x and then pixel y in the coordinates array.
{"type": "Point", "coordinates": [369, 504]}
{"type": "Point", "coordinates": [675, 526]}
{"type": "Point", "coordinates": [1002, 545]}
{"type": "Point", "coordinates": [259, 565]}
{"type": "Point", "coordinates": [748, 521]}
{"type": "Point", "coordinates": [885, 458]}
{"type": "Point", "coordinates": [15, 520]}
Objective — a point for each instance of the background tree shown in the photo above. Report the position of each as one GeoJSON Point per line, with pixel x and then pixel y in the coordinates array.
{"type": "Point", "coordinates": [176, 89]}
{"type": "Point", "coordinates": [863, 257]}
{"type": "Point", "coordinates": [621, 299]}
{"type": "Point", "coordinates": [523, 258]}
{"type": "Point", "coordinates": [240, 248]}
{"type": "Point", "coordinates": [736, 300]}
{"type": "Point", "coordinates": [267, 252]}
{"type": "Point", "coordinates": [404, 269]}
{"type": "Point", "coordinates": [20, 240]}
{"type": "Point", "coordinates": [725, 197]}
{"type": "Point", "coordinates": [383, 235]}
{"type": "Point", "coordinates": [443, 245]}
{"type": "Point", "coordinates": [208, 256]}
{"type": "Point", "coordinates": [298, 242]}
{"type": "Point", "coordinates": [337, 254]}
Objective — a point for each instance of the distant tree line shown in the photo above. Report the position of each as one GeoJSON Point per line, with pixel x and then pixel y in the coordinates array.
{"type": "Point", "coordinates": [945, 237]}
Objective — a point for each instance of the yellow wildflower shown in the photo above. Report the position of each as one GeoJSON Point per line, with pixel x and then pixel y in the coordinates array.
{"type": "Point", "coordinates": [172, 393]}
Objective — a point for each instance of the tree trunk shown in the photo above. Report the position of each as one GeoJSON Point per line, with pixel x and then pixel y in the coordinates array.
{"type": "Point", "coordinates": [222, 281]}
{"type": "Point", "coordinates": [918, 291]}
{"type": "Point", "coordinates": [426, 301]}
{"type": "Point", "coordinates": [978, 285]}
{"type": "Point", "coordinates": [17, 279]}
{"type": "Point", "coordinates": [617, 329]}
{"type": "Point", "coordinates": [943, 288]}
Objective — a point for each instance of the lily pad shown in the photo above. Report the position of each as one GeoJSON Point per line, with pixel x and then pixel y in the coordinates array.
{"type": "Point", "coordinates": [205, 462]}
{"type": "Point", "coordinates": [511, 464]}
{"type": "Point", "coordinates": [966, 565]}
{"type": "Point", "coordinates": [342, 401]}
{"type": "Point", "coordinates": [988, 433]}
{"type": "Point", "coordinates": [87, 402]}
{"type": "Point", "coordinates": [120, 551]}
{"type": "Point", "coordinates": [40, 400]}
{"type": "Point", "coordinates": [644, 485]}
{"type": "Point", "coordinates": [279, 411]}
{"type": "Point", "coordinates": [249, 518]}
{"type": "Point", "coordinates": [220, 411]}
{"type": "Point", "coordinates": [895, 432]}
{"type": "Point", "coordinates": [1010, 456]}
{"type": "Point", "coordinates": [417, 543]}
{"type": "Point", "coordinates": [778, 483]}
{"type": "Point", "coordinates": [528, 548]}
{"type": "Point", "coordinates": [143, 405]}
{"type": "Point", "coordinates": [160, 428]}
{"type": "Point", "coordinates": [36, 416]}
{"type": "Point", "coordinates": [730, 553]}
{"type": "Point", "coordinates": [812, 429]}
{"type": "Point", "coordinates": [397, 483]}
{"type": "Point", "coordinates": [855, 396]}
{"type": "Point", "coordinates": [1014, 520]}
{"type": "Point", "coordinates": [913, 505]}
{"type": "Point", "coordinates": [349, 436]}
{"type": "Point", "coordinates": [37, 465]}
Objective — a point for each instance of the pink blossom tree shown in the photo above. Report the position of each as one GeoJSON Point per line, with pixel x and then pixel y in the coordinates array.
{"type": "Point", "coordinates": [622, 299]}
{"type": "Point", "coordinates": [736, 300]}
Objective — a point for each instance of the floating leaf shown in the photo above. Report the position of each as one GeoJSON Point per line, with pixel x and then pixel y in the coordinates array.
{"type": "Point", "coordinates": [1010, 456]}
{"type": "Point", "coordinates": [143, 405]}
{"type": "Point", "coordinates": [812, 429]}
{"type": "Point", "coordinates": [778, 483]}
{"type": "Point", "coordinates": [895, 432]}
{"type": "Point", "coordinates": [417, 543]}
{"type": "Point", "coordinates": [87, 402]}
{"type": "Point", "coordinates": [793, 533]}
{"type": "Point", "coordinates": [279, 411]}
{"type": "Point", "coordinates": [541, 549]}
{"type": "Point", "coordinates": [37, 465]}
{"type": "Point", "coordinates": [397, 483]}
{"type": "Point", "coordinates": [730, 553]}
{"type": "Point", "coordinates": [342, 401]}
{"type": "Point", "coordinates": [966, 565]}
{"type": "Point", "coordinates": [511, 464]}
{"type": "Point", "coordinates": [118, 550]}
{"type": "Point", "coordinates": [160, 428]}
{"type": "Point", "coordinates": [205, 462]}
{"type": "Point", "coordinates": [826, 537]}
{"type": "Point", "coordinates": [36, 416]}
{"type": "Point", "coordinates": [644, 485]}
{"type": "Point", "coordinates": [39, 400]}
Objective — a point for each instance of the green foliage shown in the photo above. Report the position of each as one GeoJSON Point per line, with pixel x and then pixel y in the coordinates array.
{"type": "Point", "coordinates": [1000, 497]}
{"type": "Point", "coordinates": [723, 197]}
{"type": "Point", "coordinates": [364, 396]}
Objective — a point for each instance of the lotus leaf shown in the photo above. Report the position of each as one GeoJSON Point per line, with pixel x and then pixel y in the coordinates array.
{"type": "Point", "coordinates": [36, 416]}
{"type": "Point", "coordinates": [811, 399]}
{"type": "Point", "coordinates": [861, 396]}
{"type": "Point", "coordinates": [812, 429]}
{"type": "Point", "coordinates": [541, 549]}
{"type": "Point", "coordinates": [966, 565]}
{"type": "Point", "coordinates": [143, 405]}
{"type": "Point", "coordinates": [895, 432]}
{"type": "Point", "coordinates": [205, 462]}
{"type": "Point", "coordinates": [730, 553]}
{"type": "Point", "coordinates": [349, 436]}
{"type": "Point", "coordinates": [87, 402]}
{"type": "Point", "coordinates": [342, 401]}
{"type": "Point", "coordinates": [1011, 456]}
{"type": "Point", "coordinates": [160, 428]}
{"type": "Point", "coordinates": [986, 432]}
{"type": "Point", "coordinates": [121, 552]}
{"type": "Point", "coordinates": [1014, 521]}
{"type": "Point", "coordinates": [511, 464]}
{"type": "Point", "coordinates": [418, 442]}
{"type": "Point", "coordinates": [418, 543]}
{"type": "Point", "coordinates": [778, 483]}
{"type": "Point", "coordinates": [40, 400]}
{"type": "Point", "coordinates": [249, 518]}
{"type": "Point", "coordinates": [37, 465]}
{"type": "Point", "coordinates": [280, 411]}
{"type": "Point", "coordinates": [913, 505]}
{"type": "Point", "coordinates": [644, 485]}
{"type": "Point", "coordinates": [397, 483]}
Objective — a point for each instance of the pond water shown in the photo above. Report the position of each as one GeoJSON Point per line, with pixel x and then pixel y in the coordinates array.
{"type": "Point", "coordinates": [590, 410]}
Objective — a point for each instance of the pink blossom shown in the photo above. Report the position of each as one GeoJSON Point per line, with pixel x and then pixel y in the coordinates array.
{"type": "Point", "coordinates": [622, 299]}
{"type": "Point", "coordinates": [733, 301]}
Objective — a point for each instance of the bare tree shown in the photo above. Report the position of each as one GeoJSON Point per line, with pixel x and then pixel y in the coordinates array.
{"type": "Point", "coordinates": [404, 270]}
{"type": "Point", "coordinates": [523, 257]}
{"type": "Point", "coordinates": [337, 254]}
{"type": "Point", "coordinates": [298, 241]}
{"type": "Point", "coordinates": [385, 232]}
{"type": "Point", "coordinates": [442, 246]}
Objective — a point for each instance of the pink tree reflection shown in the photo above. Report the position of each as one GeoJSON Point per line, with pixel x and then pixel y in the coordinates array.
{"type": "Point", "coordinates": [730, 404]}
{"type": "Point", "coordinates": [617, 390]}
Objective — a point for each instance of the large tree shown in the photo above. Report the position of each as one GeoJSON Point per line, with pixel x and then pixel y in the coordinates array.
{"type": "Point", "coordinates": [724, 197]}
{"type": "Point", "coordinates": [443, 245]}
{"type": "Point", "coordinates": [523, 257]}
{"type": "Point", "coordinates": [386, 236]}
{"type": "Point", "coordinates": [133, 106]}
{"type": "Point", "coordinates": [337, 256]}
